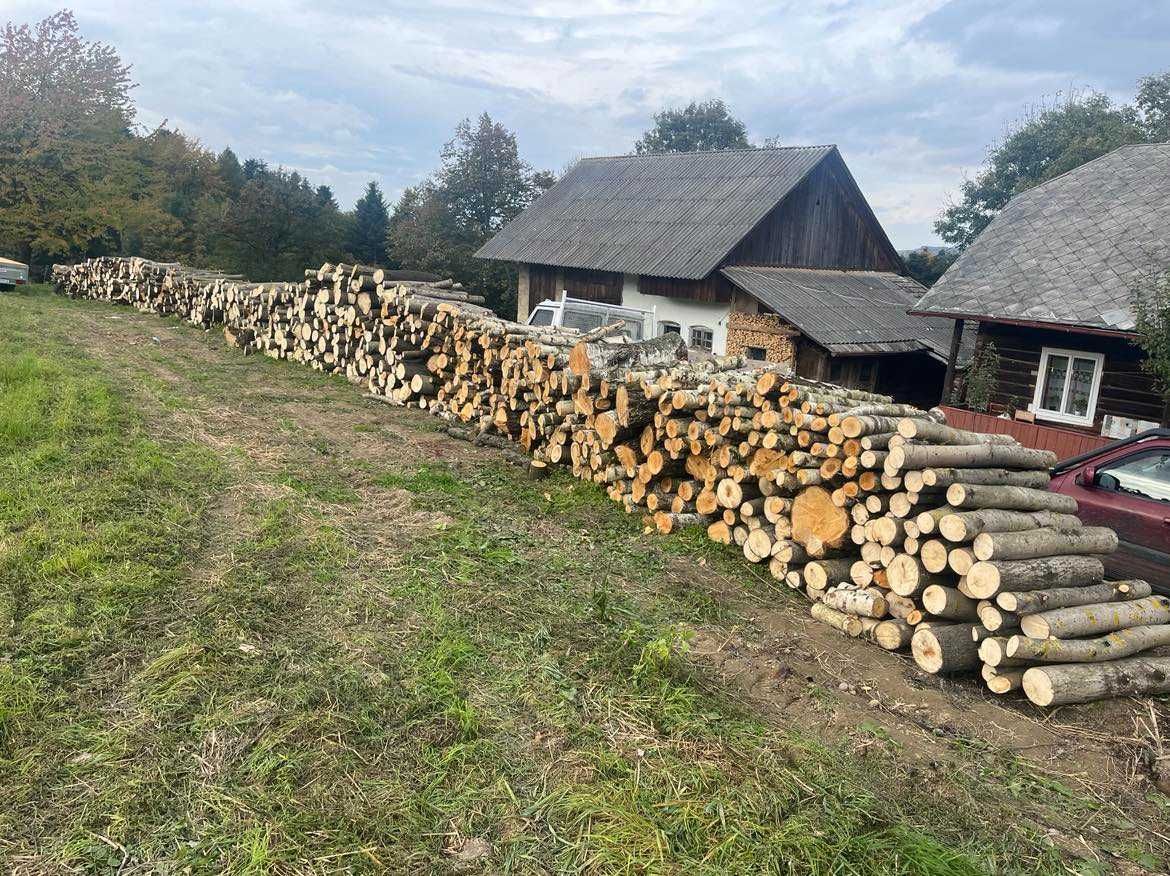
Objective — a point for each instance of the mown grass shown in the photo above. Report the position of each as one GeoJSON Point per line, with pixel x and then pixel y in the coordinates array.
{"type": "Point", "coordinates": [203, 674]}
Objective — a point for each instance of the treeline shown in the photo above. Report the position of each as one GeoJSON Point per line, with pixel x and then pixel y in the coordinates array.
{"type": "Point", "coordinates": [78, 179]}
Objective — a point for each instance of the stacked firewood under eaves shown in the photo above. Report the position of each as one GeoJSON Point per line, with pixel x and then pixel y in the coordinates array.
{"type": "Point", "coordinates": [899, 528]}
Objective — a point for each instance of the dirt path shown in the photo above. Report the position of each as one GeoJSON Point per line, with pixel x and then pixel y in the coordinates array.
{"type": "Point", "coordinates": [282, 421]}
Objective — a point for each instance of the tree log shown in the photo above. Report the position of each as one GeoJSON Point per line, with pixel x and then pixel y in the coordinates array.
{"type": "Point", "coordinates": [815, 515]}
{"type": "Point", "coordinates": [949, 604]}
{"type": "Point", "coordinates": [1086, 682]}
{"type": "Point", "coordinates": [1113, 646]}
{"type": "Point", "coordinates": [968, 456]}
{"type": "Point", "coordinates": [1064, 597]}
{"type": "Point", "coordinates": [976, 496]}
{"type": "Point", "coordinates": [893, 635]}
{"type": "Point", "coordinates": [863, 603]}
{"type": "Point", "coordinates": [930, 432]}
{"type": "Point", "coordinates": [944, 477]}
{"type": "Point", "coordinates": [964, 526]}
{"type": "Point", "coordinates": [907, 577]}
{"type": "Point", "coordinates": [987, 577]}
{"type": "Point", "coordinates": [1089, 620]}
{"type": "Point", "coordinates": [664, 351]}
{"type": "Point", "coordinates": [1028, 545]}
{"type": "Point", "coordinates": [945, 649]}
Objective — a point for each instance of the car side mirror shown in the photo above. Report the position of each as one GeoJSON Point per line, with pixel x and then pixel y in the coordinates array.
{"type": "Point", "coordinates": [1087, 477]}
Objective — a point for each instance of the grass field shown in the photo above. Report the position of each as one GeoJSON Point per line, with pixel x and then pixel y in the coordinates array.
{"type": "Point", "coordinates": [253, 623]}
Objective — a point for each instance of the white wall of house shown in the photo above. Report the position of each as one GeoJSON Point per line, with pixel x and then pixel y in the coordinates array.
{"type": "Point", "coordinates": [686, 313]}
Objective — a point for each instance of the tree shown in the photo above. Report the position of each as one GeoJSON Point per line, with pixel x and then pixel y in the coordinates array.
{"type": "Point", "coordinates": [1054, 141]}
{"type": "Point", "coordinates": [1153, 104]}
{"type": "Point", "coordinates": [227, 166]}
{"type": "Point", "coordinates": [1150, 299]}
{"type": "Point", "coordinates": [481, 184]}
{"type": "Point", "coordinates": [926, 266]}
{"type": "Point", "coordinates": [371, 221]}
{"type": "Point", "coordinates": [65, 111]}
{"type": "Point", "coordinates": [696, 127]}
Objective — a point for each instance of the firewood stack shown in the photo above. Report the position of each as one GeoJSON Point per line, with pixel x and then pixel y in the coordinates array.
{"type": "Point", "coordinates": [897, 527]}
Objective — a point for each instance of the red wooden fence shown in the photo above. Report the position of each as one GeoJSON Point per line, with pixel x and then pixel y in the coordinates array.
{"type": "Point", "coordinates": [1063, 442]}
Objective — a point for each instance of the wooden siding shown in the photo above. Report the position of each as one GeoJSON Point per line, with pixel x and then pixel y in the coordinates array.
{"type": "Point", "coordinates": [1126, 390]}
{"type": "Point", "coordinates": [1064, 443]}
{"type": "Point", "coordinates": [542, 284]}
{"type": "Point", "coordinates": [713, 288]}
{"type": "Point", "coordinates": [601, 286]}
{"type": "Point", "coordinates": [823, 223]}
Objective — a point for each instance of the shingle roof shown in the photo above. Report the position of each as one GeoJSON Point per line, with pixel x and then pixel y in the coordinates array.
{"type": "Point", "coordinates": [847, 312]}
{"type": "Point", "coordinates": [1069, 250]}
{"type": "Point", "coordinates": [672, 215]}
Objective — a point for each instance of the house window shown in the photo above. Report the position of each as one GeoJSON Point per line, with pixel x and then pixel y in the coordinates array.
{"type": "Point", "coordinates": [757, 353]}
{"type": "Point", "coordinates": [702, 338]}
{"type": "Point", "coordinates": [1066, 386]}
{"type": "Point", "coordinates": [666, 328]}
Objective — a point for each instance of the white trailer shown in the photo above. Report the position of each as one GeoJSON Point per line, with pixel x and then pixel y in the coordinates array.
{"type": "Point", "coordinates": [12, 274]}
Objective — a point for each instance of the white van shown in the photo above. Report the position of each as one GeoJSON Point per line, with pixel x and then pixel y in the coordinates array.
{"type": "Point", "coordinates": [12, 274]}
{"type": "Point", "coordinates": [588, 315]}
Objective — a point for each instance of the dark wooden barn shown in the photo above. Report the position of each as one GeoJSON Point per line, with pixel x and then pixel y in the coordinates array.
{"type": "Point", "coordinates": [1050, 284]}
{"type": "Point", "coordinates": [675, 235]}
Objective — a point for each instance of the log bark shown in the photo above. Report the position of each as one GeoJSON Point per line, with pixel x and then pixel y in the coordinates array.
{"type": "Point", "coordinates": [987, 578]}
{"type": "Point", "coordinates": [931, 432]}
{"type": "Point", "coordinates": [1086, 682]}
{"type": "Point", "coordinates": [945, 649]}
{"type": "Point", "coordinates": [863, 603]}
{"type": "Point", "coordinates": [944, 477]}
{"type": "Point", "coordinates": [977, 496]}
{"type": "Point", "coordinates": [1044, 543]}
{"type": "Point", "coordinates": [1113, 646]}
{"type": "Point", "coordinates": [663, 351]}
{"type": "Point", "coordinates": [1090, 620]}
{"type": "Point", "coordinates": [1037, 601]}
{"type": "Point", "coordinates": [965, 526]}
{"type": "Point", "coordinates": [968, 456]}
{"type": "Point", "coordinates": [838, 620]}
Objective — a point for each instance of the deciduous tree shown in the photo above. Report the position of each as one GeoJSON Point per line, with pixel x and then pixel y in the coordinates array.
{"type": "Point", "coordinates": [695, 127]}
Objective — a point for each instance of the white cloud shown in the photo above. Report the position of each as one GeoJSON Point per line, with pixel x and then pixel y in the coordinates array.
{"type": "Point", "coordinates": [346, 91]}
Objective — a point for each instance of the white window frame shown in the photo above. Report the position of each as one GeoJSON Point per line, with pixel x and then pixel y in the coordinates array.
{"type": "Point", "coordinates": [691, 329]}
{"type": "Point", "coordinates": [676, 327]}
{"type": "Point", "coordinates": [1060, 416]}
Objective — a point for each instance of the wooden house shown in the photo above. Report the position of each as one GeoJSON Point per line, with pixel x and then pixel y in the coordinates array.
{"type": "Point", "coordinates": [773, 253]}
{"type": "Point", "coordinates": [1050, 282]}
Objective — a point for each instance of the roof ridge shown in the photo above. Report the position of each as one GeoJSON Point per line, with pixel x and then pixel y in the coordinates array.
{"type": "Point", "coordinates": [750, 149]}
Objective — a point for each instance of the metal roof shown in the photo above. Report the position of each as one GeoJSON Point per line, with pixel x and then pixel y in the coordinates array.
{"type": "Point", "coordinates": [1070, 250]}
{"type": "Point", "coordinates": [669, 215]}
{"type": "Point", "coordinates": [4, 261]}
{"type": "Point", "coordinates": [848, 312]}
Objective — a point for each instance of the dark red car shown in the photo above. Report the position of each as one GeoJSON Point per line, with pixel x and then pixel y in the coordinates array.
{"type": "Point", "coordinates": [1126, 486]}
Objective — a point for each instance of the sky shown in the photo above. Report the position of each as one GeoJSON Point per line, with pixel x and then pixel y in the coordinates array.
{"type": "Point", "coordinates": [912, 91]}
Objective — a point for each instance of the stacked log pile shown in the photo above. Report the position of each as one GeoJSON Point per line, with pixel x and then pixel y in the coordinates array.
{"type": "Point", "coordinates": [897, 527]}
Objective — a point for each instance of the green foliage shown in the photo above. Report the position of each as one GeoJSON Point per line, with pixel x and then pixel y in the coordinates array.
{"type": "Point", "coordinates": [79, 180]}
{"type": "Point", "coordinates": [1150, 299]}
{"type": "Point", "coordinates": [926, 266]}
{"type": "Point", "coordinates": [440, 224]}
{"type": "Point", "coordinates": [1153, 103]}
{"type": "Point", "coordinates": [65, 109]}
{"type": "Point", "coordinates": [693, 128]}
{"type": "Point", "coordinates": [1052, 141]}
{"type": "Point", "coordinates": [371, 221]}
{"type": "Point", "coordinates": [979, 383]}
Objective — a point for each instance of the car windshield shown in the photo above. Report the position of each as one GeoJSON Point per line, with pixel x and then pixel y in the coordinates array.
{"type": "Point", "coordinates": [1146, 474]}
